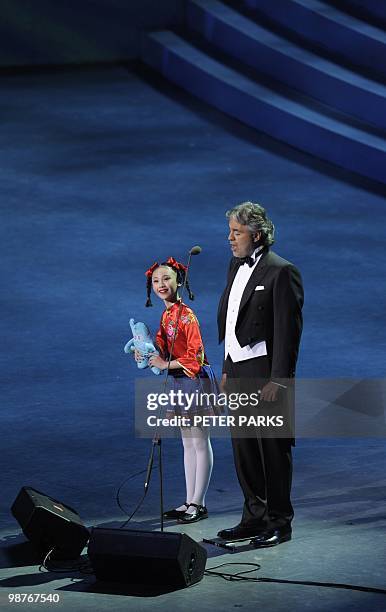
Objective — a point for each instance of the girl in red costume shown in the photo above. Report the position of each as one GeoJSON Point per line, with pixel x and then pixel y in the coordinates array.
{"type": "Point", "coordinates": [188, 365]}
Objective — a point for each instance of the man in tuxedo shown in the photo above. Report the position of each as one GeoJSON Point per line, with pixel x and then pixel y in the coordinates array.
{"type": "Point", "coordinates": [260, 319]}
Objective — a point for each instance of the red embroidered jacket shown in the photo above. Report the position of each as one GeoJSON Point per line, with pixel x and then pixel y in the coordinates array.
{"type": "Point", "coordinates": [188, 346]}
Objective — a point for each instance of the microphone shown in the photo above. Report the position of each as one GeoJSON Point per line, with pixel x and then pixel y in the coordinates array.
{"type": "Point", "coordinates": [196, 250]}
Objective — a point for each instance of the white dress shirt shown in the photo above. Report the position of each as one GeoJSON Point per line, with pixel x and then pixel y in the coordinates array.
{"type": "Point", "coordinates": [232, 346]}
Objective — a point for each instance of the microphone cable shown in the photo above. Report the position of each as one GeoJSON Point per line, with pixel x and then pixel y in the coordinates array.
{"type": "Point", "coordinates": [256, 566]}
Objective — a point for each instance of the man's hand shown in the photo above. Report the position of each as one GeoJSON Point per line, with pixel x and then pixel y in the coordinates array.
{"type": "Point", "coordinates": [223, 383]}
{"type": "Point", "coordinates": [157, 362]}
{"type": "Point", "coordinates": [269, 392]}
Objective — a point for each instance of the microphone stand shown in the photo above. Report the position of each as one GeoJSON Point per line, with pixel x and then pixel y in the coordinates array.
{"type": "Point", "coordinates": [157, 441]}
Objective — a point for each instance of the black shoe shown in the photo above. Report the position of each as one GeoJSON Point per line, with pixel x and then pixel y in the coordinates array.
{"type": "Point", "coordinates": [192, 517]}
{"type": "Point", "coordinates": [239, 532]}
{"type": "Point", "coordinates": [272, 537]}
{"type": "Point", "coordinates": [175, 514]}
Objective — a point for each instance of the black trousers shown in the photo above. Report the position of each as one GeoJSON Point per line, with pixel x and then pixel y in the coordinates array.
{"type": "Point", "coordinates": [263, 465]}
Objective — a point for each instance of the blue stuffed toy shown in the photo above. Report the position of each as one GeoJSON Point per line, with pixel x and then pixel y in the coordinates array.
{"type": "Point", "coordinates": [143, 343]}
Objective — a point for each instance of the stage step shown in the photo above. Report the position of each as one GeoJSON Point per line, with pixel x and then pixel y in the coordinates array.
{"type": "Point", "coordinates": [265, 107]}
{"type": "Point", "coordinates": [324, 25]}
{"type": "Point", "coordinates": [270, 54]}
{"type": "Point", "coordinates": [373, 11]}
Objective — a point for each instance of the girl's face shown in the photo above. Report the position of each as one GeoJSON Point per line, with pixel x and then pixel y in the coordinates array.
{"type": "Point", "coordinates": [164, 282]}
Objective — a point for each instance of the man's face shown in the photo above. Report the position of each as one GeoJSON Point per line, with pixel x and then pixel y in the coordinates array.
{"type": "Point", "coordinates": [241, 240]}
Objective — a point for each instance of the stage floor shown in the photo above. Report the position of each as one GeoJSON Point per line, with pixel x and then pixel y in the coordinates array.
{"type": "Point", "coordinates": [103, 171]}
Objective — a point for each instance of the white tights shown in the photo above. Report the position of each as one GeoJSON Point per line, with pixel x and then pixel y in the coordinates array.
{"type": "Point", "coordinates": [198, 464]}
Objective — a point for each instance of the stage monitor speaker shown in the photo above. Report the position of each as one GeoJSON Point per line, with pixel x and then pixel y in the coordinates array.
{"type": "Point", "coordinates": [49, 523]}
{"type": "Point", "coordinates": [146, 557]}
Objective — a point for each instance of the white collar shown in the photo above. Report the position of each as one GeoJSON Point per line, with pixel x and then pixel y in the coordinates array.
{"type": "Point", "coordinates": [256, 253]}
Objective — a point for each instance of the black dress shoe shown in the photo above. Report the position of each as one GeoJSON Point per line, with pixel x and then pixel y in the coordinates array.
{"type": "Point", "coordinates": [199, 514]}
{"type": "Point", "coordinates": [175, 514]}
{"type": "Point", "coordinates": [239, 532]}
{"type": "Point", "coordinates": [272, 537]}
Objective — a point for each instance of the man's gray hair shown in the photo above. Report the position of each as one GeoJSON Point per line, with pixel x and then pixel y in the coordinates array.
{"type": "Point", "coordinates": [255, 218]}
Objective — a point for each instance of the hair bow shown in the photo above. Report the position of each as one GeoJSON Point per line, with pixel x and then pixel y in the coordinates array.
{"type": "Point", "coordinates": [170, 262]}
{"type": "Point", "coordinates": [176, 264]}
{"type": "Point", "coordinates": [150, 271]}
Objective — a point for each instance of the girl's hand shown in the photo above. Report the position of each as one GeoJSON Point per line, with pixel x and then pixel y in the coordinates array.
{"type": "Point", "coordinates": [157, 362]}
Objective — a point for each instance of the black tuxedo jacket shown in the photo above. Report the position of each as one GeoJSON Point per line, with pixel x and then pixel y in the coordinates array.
{"type": "Point", "coordinates": [273, 314]}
